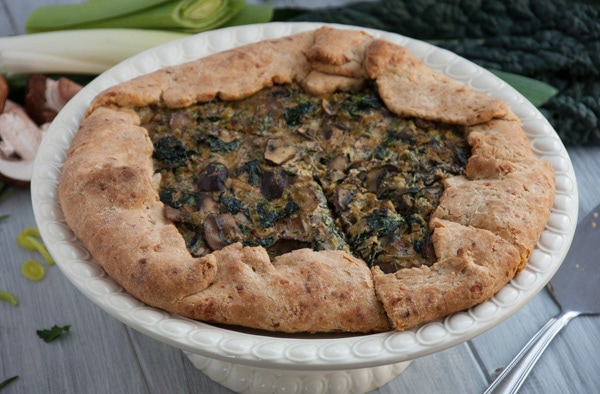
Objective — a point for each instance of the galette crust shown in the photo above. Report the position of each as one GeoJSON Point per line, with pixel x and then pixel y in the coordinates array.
{"type": "Point", "coordinates": [484, 228]}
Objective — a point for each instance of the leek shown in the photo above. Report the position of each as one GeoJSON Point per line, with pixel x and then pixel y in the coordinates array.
{"type": "Point", "coordinates": [33, 270]}
{"type": "Point", "coordinates": [184, 15]}
{"type": "Point", "coordinates": [69, 16]}
{"type": "Point", "coordinates": [89, 51]}
{"type": "Point", "coordinates": [537, 92]}
{"type": "Point", "coordinates": [252, 13]}
{"type": "Point", "coordinates": [8, 297]}
{"type": "Point", "coordinates": [30, 239]}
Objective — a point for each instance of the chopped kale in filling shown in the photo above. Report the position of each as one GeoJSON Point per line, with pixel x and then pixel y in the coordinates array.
{"type": "Point", "coordinates": [286, 170]}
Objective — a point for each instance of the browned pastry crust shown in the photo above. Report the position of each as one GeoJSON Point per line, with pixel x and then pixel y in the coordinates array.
{"type": "Point", "coordinates": [473, 264]}
{"type": "Point", "coordinates": [483, 229]}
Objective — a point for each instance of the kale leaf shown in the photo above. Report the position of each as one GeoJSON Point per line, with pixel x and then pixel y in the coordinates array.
{"type": "Point", "coordinates": [170, 151]}
{"type": "Point", "coordinates": [293, 116]}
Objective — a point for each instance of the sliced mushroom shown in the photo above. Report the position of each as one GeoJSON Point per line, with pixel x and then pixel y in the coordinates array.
{"type": "Point", "coordinates": [358, 165]}
{"type": "Point", "coordinates": [375, 176]}
{"type": "Point", "coordinates": [220, 231]}
{"type": "Point", "coordinates": [198, 247]}
{"type": "Point", "coordinates": [278, 152]}
{"type": "Point", "coordinates": [207, 204]}
{"type": "Point", "coordinates": [343, 196]}
{"type": "Point", "coordinates": [310, 198]}
{"type": "Point", "coordinates": [45, 97]}
{"type": "Point", "coordinates": [291, 227]}
{"type": "Point", "coordinates": [403, 199]}
{"type": "Point", "coordinates": [172, 214]}
{"type": "Point", "coordinates": [339, 163]}
{"type": "Point", "coordinates": [20, 136]}
{"type": "Point", "coordinates": [212, 178]}
{"type": "Point", "coordinates": [327, 107]}
{"type": "Point", "coordinates": [179, 120]}
{"type": "Point", "coordinates": [273, 183]}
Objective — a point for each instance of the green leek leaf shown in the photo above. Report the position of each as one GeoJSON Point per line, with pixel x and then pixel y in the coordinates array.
{"type": "Point", "coordinates": [252, 13]}
{"type": "Point", "coordinates": [187, 15]}
{"type": "Point", "coordinates": [537, 92]}
{"type": "Point", "coordinates": [183, 15]}
{"type": "Point", "coordinates": [69, 16]}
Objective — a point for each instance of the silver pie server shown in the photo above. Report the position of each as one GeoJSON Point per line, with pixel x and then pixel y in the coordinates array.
{"type": "Point", "coordinates": [571, 286]}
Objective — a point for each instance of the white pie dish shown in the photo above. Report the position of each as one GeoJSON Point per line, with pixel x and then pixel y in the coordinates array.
{"type": "Point", "coordinates": [248, 361]}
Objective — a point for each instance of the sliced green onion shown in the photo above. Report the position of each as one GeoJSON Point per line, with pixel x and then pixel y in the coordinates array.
{"type": "Point", "coordinates": [8, 297]}
{"type": "Point", "coordinates": [33, 270]}
{"type": "Point", "coordinates": [29, 238]}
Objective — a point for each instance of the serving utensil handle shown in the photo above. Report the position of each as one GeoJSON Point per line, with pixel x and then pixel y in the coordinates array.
{"type": "Point", "coordinates": [513, 376]}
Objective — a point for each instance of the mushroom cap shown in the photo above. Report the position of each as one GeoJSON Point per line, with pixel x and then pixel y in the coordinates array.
{"type": "Point", "coordinates": [16, 172]}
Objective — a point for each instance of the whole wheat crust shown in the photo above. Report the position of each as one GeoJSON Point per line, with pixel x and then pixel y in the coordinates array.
{"type": "Point", "coordinates": [484, 228]}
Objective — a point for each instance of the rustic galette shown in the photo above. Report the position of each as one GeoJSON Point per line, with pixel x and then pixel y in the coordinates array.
{"type": "Point", "coordinates": [327, 181]}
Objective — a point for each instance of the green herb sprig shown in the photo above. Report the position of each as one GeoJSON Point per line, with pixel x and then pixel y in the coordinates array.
{"type": "Point", "coordinates": [53, 333]}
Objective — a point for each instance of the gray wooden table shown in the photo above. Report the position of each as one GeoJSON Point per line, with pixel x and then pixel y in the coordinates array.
{"type": "Point", "coordinates": [102, 355]}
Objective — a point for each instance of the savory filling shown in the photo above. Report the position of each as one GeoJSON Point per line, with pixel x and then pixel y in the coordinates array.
{"type": "Point", "coordinates": [287, 170]}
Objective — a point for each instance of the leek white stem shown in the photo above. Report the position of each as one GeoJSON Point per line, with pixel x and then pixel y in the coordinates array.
{"type": "Point", "coordinates": [22, 62]}
{"type": "Point", "coordinates": [88, 51]}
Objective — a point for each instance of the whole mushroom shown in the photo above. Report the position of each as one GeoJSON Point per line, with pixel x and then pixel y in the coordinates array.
{"type": "Point", "coordinates": [22, 128]}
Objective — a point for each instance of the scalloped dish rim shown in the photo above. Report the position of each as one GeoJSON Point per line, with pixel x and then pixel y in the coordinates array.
{"type": "Point", "coordinates": [311, 353]}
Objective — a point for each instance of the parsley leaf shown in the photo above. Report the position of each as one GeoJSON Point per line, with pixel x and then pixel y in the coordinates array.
{"type": "Point", "coordinates": [52, 334]}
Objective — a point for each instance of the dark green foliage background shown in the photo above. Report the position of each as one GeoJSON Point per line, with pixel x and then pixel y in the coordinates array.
{"type": "Point", "coordinates": [554, 41]}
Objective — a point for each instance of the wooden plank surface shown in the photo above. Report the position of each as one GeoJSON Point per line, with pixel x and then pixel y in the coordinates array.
{"type": "Point", "coordinates": [101, 355]}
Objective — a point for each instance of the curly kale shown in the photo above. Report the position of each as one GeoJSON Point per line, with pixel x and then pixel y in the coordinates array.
{"type": "Point", "coordinates": [553, 41]}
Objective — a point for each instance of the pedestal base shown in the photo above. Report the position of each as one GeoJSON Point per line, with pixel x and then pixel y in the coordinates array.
{"type": "Point", "coordinates": [253, 380]}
